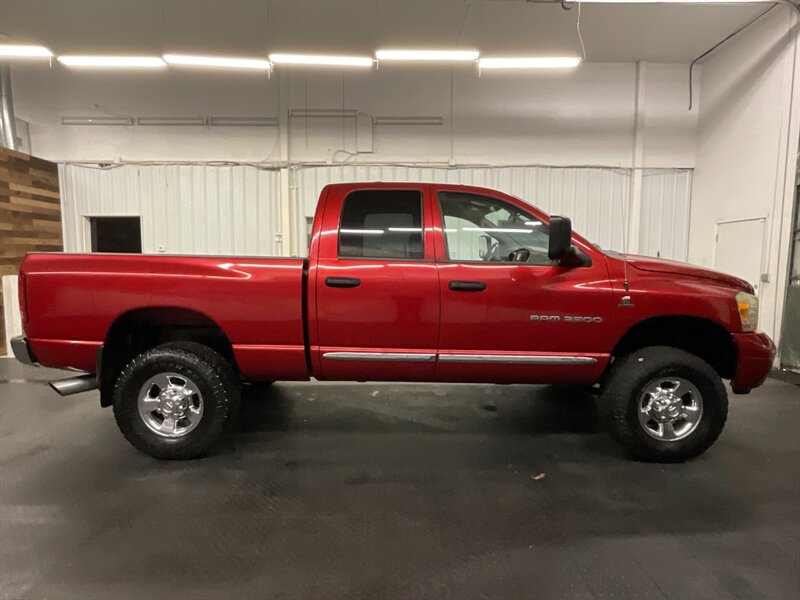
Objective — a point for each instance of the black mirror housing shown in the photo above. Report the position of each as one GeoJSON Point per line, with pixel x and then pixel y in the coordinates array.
{"type": "Point", "coordinates": [560, 239]}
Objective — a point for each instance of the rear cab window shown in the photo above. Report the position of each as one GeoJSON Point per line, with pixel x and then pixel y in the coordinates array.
{"type": "Point", "coordinates": [382, 223]}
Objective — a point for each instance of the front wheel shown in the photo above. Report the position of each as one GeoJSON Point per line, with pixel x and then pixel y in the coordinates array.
{"type": "Point", "coordinates": [174, 401]}
{"type": "Point", "coordinates": [663, 404]}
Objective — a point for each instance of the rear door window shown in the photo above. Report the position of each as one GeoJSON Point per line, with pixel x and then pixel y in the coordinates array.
{"type": "Point", "coordinates": [382, 224]}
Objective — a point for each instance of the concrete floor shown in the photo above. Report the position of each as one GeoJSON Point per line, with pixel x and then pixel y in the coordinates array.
{"type": "Point", "coordinates": [401, 491]}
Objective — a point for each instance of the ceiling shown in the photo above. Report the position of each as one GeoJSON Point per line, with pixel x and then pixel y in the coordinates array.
{"type": "Point", "coordinates": [675, 33]}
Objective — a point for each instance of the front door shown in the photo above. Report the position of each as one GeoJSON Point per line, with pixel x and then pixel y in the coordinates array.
{"type": "Point", "coordinates": [509, 314]}
{"type": "Point", "coordinates": [377, 292]}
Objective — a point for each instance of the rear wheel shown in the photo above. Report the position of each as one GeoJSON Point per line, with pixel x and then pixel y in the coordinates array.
{"type": "Point", "coordinates": [175, 401]}
{"type": "Point", "coordinates": [663, 404]}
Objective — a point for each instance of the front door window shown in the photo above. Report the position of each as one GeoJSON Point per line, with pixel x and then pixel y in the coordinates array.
{"type": "Point", "coordinates": [484, 229]}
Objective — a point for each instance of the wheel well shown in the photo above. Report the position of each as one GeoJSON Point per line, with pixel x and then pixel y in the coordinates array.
{"type": "Point", "coordinates": [698, 336]}
{"type": "Point", "coordinates": [139, 330]}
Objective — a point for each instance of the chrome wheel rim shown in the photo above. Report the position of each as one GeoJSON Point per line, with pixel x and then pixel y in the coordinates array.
{"type": "Point", "coordinates": [670, 408]}
{"type": "Point", "coordinates": [170, 405]}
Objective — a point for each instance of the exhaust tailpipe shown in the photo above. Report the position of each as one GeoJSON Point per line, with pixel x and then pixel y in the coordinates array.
{"type": "Point", "coordinates": [75, 385]}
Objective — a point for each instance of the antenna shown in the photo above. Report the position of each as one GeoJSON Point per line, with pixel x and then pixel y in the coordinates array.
{"type": "Point", "coordinates": [625, 218]}
{"type": "Point", "coordinates": [625, 273]}
{"type": "Point", "coordinates": [634, 189]}
{"type": "Point", "coordinates": [625, 255]}
{"type": "Point", "coordinates": [626, 300]}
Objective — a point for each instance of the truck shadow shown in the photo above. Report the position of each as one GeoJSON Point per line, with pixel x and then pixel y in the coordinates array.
{"type": "Point", "coordinates": [398, 408]}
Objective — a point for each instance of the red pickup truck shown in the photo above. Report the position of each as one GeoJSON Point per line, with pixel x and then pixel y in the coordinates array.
{"type": "Point", "coordinates": [404, 282]}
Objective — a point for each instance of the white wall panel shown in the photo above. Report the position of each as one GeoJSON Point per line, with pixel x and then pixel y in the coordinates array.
{"type": "Point", "coordinates": [11, 314]}
{"type": "Point", "coordinates": [584, 116]}
{"type": "Point", "coordinates": [596, 199]}
{"type": "Point", "coordinates": [666, 202]}
{"type": "Point", "coordinates": [185, 209]}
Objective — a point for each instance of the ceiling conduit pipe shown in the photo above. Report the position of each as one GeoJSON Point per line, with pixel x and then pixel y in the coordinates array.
{"type": "Point", "coordinates": [8, 125]}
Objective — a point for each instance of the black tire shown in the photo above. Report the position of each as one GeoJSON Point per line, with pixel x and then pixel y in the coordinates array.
{"type": "Point", "coordinates": [623, 389]}
{"type": "Point", "coordinates": [208, 371]}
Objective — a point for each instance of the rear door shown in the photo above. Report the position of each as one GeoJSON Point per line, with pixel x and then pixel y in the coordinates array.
{"type": "Point", "coordinates": [509, 314]}
{"type": "Point", "coordinates": [377, 292]}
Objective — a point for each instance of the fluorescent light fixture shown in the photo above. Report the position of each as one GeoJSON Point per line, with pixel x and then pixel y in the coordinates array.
{"type": "Point", "coordinates": [320, 60]}
{"type": "Point", "coordinates": [428, 55]}
{"type": "Point", "coordinates": [165, 121]}
{"type": "Point", "coordinates": [125, 62]}
{"type": "Point", "coordinates": [259, 64]}
{"type": "Point", "coordinates": [407, 121]}
{"type": "Point", "coordinates": [530, 62]}
{"type": "Point", "coordinates": [324, 113]}
{"type": "Point", "coordinates": [17, 51]}
{"type": "Point", "coordinates": [406, 229]}
{"type": "Point", "coordinates": [243, 121]}
{"type": "Point", "coordinates": [97, 120]}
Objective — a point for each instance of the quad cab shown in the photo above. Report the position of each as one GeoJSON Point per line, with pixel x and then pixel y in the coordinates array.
{"type": "Point", "coordinates": [403, 282]}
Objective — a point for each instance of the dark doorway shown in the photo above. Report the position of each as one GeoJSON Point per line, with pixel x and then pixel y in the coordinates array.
{"type": "Point", "coordinates": [116, 234]}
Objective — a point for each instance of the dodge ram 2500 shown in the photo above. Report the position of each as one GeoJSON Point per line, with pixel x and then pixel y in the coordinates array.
{"type": "Point", "coordinates": [403, 282]}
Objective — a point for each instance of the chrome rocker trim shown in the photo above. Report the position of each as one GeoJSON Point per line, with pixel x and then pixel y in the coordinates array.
{"type": "Point", "coordinates": [381, 356]}
{"type": "Point", "coordinates": [516, 359]}
{"type": "Point", "coordinates": [462, 358]}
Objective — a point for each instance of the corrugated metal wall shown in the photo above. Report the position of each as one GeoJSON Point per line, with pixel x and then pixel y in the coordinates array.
{"type": "Point", "coordinates": [212, 209]}
{"type": "Point", "coordinates": [666, 200]}
{"type": "Point", "coordinates": [595, 199]}
{"type": "Point", "coordinates": [185, 209]}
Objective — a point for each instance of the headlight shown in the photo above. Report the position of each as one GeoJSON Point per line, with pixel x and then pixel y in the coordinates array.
{"type": "Point", "coordinates": [748, 310]}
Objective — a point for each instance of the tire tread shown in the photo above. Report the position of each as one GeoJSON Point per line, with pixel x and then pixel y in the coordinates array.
{"type": "Point", "coordinates": [623, 383]}
{"type": "Point", "coordinates": [216, 372]}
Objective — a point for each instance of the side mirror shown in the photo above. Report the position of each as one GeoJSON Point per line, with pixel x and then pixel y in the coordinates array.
{"type": "Point", "coordinates": [487, 243]}
{"type": "Point", "coordinates": [560, 241]}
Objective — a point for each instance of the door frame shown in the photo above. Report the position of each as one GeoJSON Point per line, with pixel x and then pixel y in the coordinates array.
{"type": "Point", "coordinates": [764, 238]}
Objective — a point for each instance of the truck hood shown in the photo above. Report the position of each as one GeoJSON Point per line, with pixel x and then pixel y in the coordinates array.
{"type": "Point", "coordinates": [660, 265]}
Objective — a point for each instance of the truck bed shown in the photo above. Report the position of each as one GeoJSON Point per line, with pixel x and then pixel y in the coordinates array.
{"type": "Point", "coordinates": [257, 303]}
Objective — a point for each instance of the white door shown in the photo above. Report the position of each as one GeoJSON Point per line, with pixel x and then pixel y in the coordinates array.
{"type": "Point", "coordinates": [739, 248]}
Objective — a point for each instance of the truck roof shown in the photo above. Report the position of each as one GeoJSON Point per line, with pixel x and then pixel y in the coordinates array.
{"type": "Point", "coordinates": [410, 184]}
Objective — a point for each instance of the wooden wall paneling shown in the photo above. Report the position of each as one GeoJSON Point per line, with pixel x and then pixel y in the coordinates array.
{"type": "Point", "coordinates": [30, 213]}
